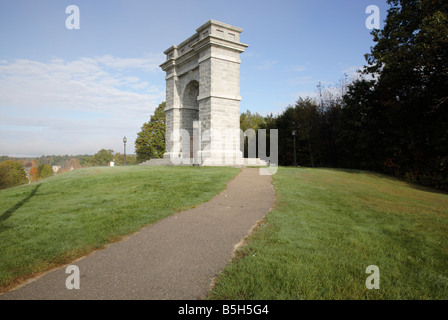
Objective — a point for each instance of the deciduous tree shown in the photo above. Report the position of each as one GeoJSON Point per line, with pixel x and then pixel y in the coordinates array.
{"type": "Point", "coordinates": [11, 174]}
{"type": "Point", "coordinates": [34, 174]}
{"type": "Point", "coordinates": [102, 157]}
{"type": "Point", "coordinates": [44, 171]}
{"type": "Point", "coordinates": [150, 142]}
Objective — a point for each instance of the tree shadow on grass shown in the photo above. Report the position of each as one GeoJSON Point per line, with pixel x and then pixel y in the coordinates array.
{"type": "Point", "coordinates": [5, 215]}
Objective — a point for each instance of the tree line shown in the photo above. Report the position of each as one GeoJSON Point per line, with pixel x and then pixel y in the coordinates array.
{"type": "Point", "coordinates": [393, 117]}
{"type": "Point", "coordinates": [17, 171]}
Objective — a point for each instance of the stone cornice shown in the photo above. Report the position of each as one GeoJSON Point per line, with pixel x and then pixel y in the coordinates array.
{"type": "Point", "coordinates": [220, 24]}
{"type": "Point", "coordinates": [205, 37]}
{"type": "Point", "coordinates": [168, 64]}
{"type": "Point", "coordinates": [206, 96]}
{"type": "Point", "coordinates": [213, 40]}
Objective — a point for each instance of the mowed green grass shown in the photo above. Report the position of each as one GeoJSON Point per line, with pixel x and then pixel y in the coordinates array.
{"type": "Point", "coordinates": [328, 226]}
{"type": "Point", "coordinates": [61, 218]}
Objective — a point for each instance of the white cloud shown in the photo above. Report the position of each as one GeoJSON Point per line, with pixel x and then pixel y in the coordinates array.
{"type": "Point", "coordinates": [351, 70]}
{"type": "Point", "coordinates": [76, 85]}
{"type": "Point", "coordinates": [353, 74]}
{"type": "Point", "coordinates": [149, 63]}
{"type": "Point", "coordinates": [75, 106]}
{"type": "Point", "coordinates": [266, 65]}
{"type": "Point", "coordinates": [296, 68]}
{"type": "Point", "coordinates": [302, 80]}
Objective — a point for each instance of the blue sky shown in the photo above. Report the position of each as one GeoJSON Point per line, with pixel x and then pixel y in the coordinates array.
{"type": "Point", "coordinates": [76, 91]}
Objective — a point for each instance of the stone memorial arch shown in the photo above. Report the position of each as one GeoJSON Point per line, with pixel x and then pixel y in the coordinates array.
{"type": "Point", "coordinates": [203, 88]}
{"type": "Point", "coordinates": [203, 99]}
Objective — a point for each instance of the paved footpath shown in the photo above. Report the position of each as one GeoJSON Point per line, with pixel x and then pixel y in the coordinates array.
{"type": "Point", "coordinates": [175, 258]}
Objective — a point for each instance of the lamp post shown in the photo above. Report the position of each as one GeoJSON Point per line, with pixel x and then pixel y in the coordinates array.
{"type": "Point", "coordinates": [294, 163]}
{"type": "Point", "coordinates": [124, 141]}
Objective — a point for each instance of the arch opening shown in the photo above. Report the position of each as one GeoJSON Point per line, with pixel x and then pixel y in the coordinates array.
{"type": "Point", "coordinates": [190, 110]}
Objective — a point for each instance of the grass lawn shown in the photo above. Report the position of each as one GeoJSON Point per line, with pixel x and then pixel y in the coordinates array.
{"type": "Point", "coordinates": [59, 219]}
{"type": "Point", "coordinates": [328, 226]}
